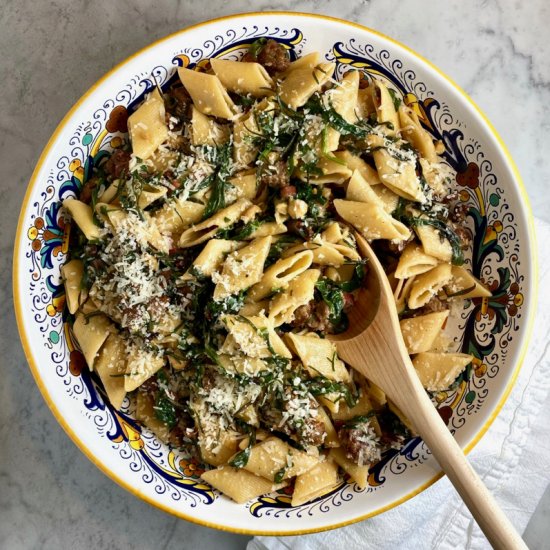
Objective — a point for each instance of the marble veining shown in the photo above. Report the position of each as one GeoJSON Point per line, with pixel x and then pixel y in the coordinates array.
{"type": "Point", "coordinates": [51, 52]}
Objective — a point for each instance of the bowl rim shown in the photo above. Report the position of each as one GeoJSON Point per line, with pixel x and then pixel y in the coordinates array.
{"type": "Point", "coordinates": [88, 452]}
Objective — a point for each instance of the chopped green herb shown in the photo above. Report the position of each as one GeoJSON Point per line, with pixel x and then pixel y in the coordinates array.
{"type": "Point", "coordinates": [240, 460]}
{"type": "Point", "coordinates": [395, 98]}
{"type": "Point", "coordinates": [358, 420]}
{"type": "Point", "coordinates": [323, 386]}
{"type": "Point", "coordinates": [256, 47]}
{"type": "Point", "coordinates": [333, 296]}
{"type": "Point", "coordinates": [165, 410]}
{"type": "Point", "coordinates": [315, 105]}
{"type": "Point", "coordinates": [216, 202]}
{"type": "Point", "coordinates": [445, 231]}
{"type": "Point", "coordinates": [280, 475]}
{"type": "Point", "coordinates": [247, 230]}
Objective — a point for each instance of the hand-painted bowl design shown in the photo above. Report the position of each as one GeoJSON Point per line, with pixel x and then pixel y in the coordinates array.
{"type": "Point", "coordinates": [494, 330]}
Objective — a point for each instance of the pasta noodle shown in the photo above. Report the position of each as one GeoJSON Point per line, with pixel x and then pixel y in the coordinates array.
{"type": "Point", "coordinates": [242, 78]}
{"type": "Point", "coordinates": [318, 356]}
{"type": "Point", "coordinates": [242, 268]}
{"type": "Point", "coordinates": [110, 365]}
{"type": "Point", "coordinates": [280, 274]}
{"type": "Point", "coordinates": [355, 162]}
{"type": "Point", "coordinates": [147, 126]}
{"type": "Point", "coordinates": [437, 371]}
{"type": "Point", "coordinates": [205, 130]}
{"type": "Point", "coordinates": [371, 220]}
{"type": "Point", "coordinates": [240, 485]}
{"type": "Point", "coordinates": [315, 482]}
{"type": "Point", "coordinates": [299, 292]}
{"type": "Point", "coordinates": [302, 82]}
{"type": "Point", "coordinates": [421, 332]}
{"type": "Point", "coordinates": [385, 109]}
{"type": "Point", "coordinates": [413, 262]}
{"type": "Point", "coordinates": [72, 273]}
{"type": "Point", "coordinates": [397, 169]}
{"type": "Point", "coordinates": [425, 286]}
{"type": "Point", "coordinates": [208, 94]}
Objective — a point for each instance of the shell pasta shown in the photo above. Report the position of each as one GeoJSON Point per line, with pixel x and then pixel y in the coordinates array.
{"type": "Point", "coordinates": [214, 252]}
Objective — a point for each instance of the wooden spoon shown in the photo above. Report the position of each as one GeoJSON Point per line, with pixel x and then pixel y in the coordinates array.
{"type": "Point", "coordinates": [374, 346]}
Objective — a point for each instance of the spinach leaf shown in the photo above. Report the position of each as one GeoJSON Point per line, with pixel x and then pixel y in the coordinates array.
{"type": "Point", "coordinates": [323, 386]}
{"type": "Point", "coordinates": [395, 98]}
{"type": "Point", "coordinates": [165, 410]}
{"type": "Point", "coordinates": [332, 293]}
{"type": "Point", "coordinates": [358, 420]}
{"type": "Point", "coordinates": [358, 277]}
{"type": "Point", "coordinates": [247, 230]}
{"type": "Point", "coordinates": [240, 460]}
{"type": "Point", "coordinates": [231, 304]}
{"type": "Point", "coordinates": [280, 475]}
{"type": "Point", "coordinates": [329, 115]}
{"type": "Point", "coordinates": [256, 47]}
{"type": "Point", "coordinates": [333, 296]}
{"type": "Point", "coordinates": [445, 231]}
{"type": "Point", "coordinates": [243, 100]}
{"type": "Point", "coordinates": [218, 183]}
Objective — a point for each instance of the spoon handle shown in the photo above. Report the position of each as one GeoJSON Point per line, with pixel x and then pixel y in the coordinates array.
{"type": "Point", "coordinates": [481, 503]}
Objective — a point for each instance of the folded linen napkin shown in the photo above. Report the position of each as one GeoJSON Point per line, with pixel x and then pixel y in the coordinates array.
{"type": "Point", "coordinates": [513, 459]}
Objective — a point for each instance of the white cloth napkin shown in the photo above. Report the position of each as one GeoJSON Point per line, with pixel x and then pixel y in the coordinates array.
{"type": "Point", "coordinates": [513, 459]}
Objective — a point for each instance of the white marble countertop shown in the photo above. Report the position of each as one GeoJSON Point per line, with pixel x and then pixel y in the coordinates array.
{"type": "Point", "coordinates": [51, 496]}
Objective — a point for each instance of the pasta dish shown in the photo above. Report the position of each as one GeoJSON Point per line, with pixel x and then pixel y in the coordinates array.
{"type": "Point", "coordinates": [214, 252]}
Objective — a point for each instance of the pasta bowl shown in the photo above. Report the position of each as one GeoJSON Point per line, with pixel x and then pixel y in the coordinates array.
{"type": "Point", "coordinates": [493, 329]}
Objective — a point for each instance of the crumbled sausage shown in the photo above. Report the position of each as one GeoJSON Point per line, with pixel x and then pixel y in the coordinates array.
{"type": "Point", "coordinates": [396, 247]}
{"type": "Point", "coordinates": [150, 386]}
{"type": "Point", "coordinates": [464, 235]}
{"type": "Point", "coordinates": [132, 317]}
{"type": "Point", "coordinates": [208, 380]}
{"type": "Point", "coordinates": [459, 212]}
{"type": "Point", "coordinates": [248, 58]}
{"type": "Point", "coordinates": [117, 164]}
{"type": "Point", "coordinates": [363, 82]}
{"type": "Point", "coordinates": [450, 198]}
{"type": "Point", "coordinates": [178, 103]}
{"type": "Point", "coordinates": [349, 301]}
{"type": "Point", "coordinates": [87, 189]}
{"type": "Point", "coordinates": [307, 429]}
{"type": "Point", "coordinates": [276, 175]}
{"type": "Point", "coordinates": [322, 313]}
{"type": "Point", "coordinates": [360, 443]}
{"type": "Point", "coordinates": [434, 305]}
{"type": "Point", "coordinates": [303, 314]}
{"type": "Point", "coordinates": [288, 191]}
{"type": "Point", "coordinates": [313, 430]}
{"type": "Point", "coordinates": [316, 316]}
{"type": "Point", "coordinates": [183, 435]}
{"type": "Point", "coordinates": [98, 265]}
{"type": "Point", "coordinates": [156, 307]}
{"type": "Point", "coordinates": [95, 264]}
{"type": "Point", "coordinates": [300, 228]}
{"type": "Point", "coordinates": [274, 57]}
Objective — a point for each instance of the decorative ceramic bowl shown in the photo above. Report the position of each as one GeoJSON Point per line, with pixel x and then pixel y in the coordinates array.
{"type": "Point", "coordinates": [494, 330]}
